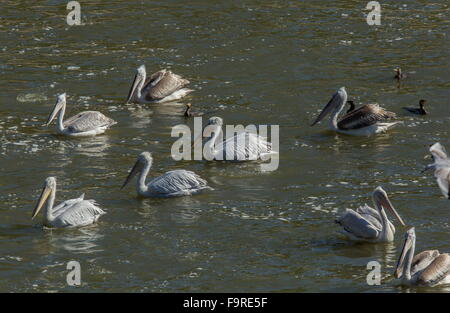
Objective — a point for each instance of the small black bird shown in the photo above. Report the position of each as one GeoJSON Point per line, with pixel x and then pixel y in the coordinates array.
{"type": "Point", "coordinates": [188, 112]}
{"type": "Point", "coordinates": [399, 74]}
{"type": "Point", "coordinates": [420, 110]}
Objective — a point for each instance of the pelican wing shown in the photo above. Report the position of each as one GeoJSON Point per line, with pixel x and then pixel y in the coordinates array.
{"type": "Point", "coordinates": [442, 175]}
{"type": "Point", "coordinates": [438, 270]}
{"type": "Point", "coordinates": [422, 260]}
{"type": "Point", "coordinates": [364, 116]}
{"type": "Point", "coordinates": [79, 213]}
{"type": "Point", "coordinates": [175, 181]}
{"type": "Point", "coordinates": [439, 153]}
{"type": "Point", "coordinates": [357, 225]}
{"type": "Point", "coordinates": [244, 146]}
{"type": "Point", "coordinates": [370, 215]}
{"type": "Point", "coordinates": [162, 84]}
{"type": "Point", "coordinates": [86, 121]}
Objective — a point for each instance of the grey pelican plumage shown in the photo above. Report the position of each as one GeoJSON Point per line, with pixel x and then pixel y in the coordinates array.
{"type": "Point", "coordinates": [162, 86]}
{"type": "Point", "coordinates": [364, 121]}
{"type": "Point", "coordinates": [244, 146]}
{"type": "Point", "coordinates": [87, 123]}
{"type": "Point", "coordinates": [441, 167]}
{"type": "Point", "coordinates": [428, 268]}
{"type": "Point", "coordinates": [370, 225]}
{"type": "Point", "coordinates": [71, 213]}
{"type": "Point", "coordinates": [171, 184]}
{"type": "Point", "coordinates": [420, 110]}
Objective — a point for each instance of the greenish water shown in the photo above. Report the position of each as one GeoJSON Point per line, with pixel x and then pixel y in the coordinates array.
{"type": "Point", "coordinates": [249, 63]}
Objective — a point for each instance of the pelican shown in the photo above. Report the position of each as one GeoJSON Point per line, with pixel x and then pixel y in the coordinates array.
{"type": "Point", "coordinates": [428, 268]}
{"type": "Point", "coordinates": [171, 184]}
{"type": "Point", "coordinates": [70, 213]}
{"type": "Point", "coordinates": [441, 167]}
{"type": "Point", "coordinates": [243, 146]}
{"type": "Point", "coordinates": [364, 121]}
{"type": "Point", "coordinates": [87, 123]}
{"type": "Point", "coordinates": [420, 110]}
{"type": "Point", "coordinates": [370, 225]}
{"type": "Point", "coordinates": [162, 86]}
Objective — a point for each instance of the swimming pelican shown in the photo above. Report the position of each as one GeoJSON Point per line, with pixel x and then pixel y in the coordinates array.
{"type": "Point", "coordinates": [162, 86]}
{"type": "Point", "coordinates": [244, 146]}
{"type": "Point", "coordinates": [367, 224]}
{"type": "Point", "coordinates": [171, 184]}
{"type": "Point", "coordinates": [441, 167]}
{"type": "Point", "coordinates": [364, 121]}
{"type": "Point", "coordinates": [70, 213]}
{"type": "Point", "coordinates": [87, 123]}
{"type": "Point", "coordinates": [399, 74]}
{"type": "Point", "coordinates": [420, 110]}
{"type": "Point", "coordinates": [428, 268]}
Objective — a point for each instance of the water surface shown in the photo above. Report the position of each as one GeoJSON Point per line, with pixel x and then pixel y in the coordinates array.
{"type": "Point", "coordinates": [249, 63]}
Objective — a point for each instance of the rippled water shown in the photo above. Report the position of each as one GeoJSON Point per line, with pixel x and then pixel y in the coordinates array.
{"type": "Point", "coordinates": [249, 63]}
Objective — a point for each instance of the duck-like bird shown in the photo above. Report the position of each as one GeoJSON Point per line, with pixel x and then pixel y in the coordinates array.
{"type": "Point", "coordinates": [70, 213]}
{"type": "Point", "coordinates": [370, 225]}
{"type": "Point", "coordinates": [87, 123]}
{"type": "Point", "coordinates": [243, 146]}
{"type": "Point", "coordinates": [364, 121]}
{"type": "Point", "coordinates": [420, 110]}
{"type": "Point", "coordinates": [162, 86]}
{"type": "Point", "coordinates": [399, 75]}
{"type": "Point", "coordinates": [189, 113]}
{"type": "Point", "coordinates": [428, 268]}
{"type": "Point", "coordinates": [171, 184]}
{"type": "Point", "coordinates": [441, 167]}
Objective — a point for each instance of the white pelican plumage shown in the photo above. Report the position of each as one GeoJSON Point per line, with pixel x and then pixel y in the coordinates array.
{"type": "Point", "coordinates": [441, 167]}
{"type": "Point", "coordinates": [370, 225]}
{"type": "Point", "coordinates": [162, 86]}
{"type": "Point", "coordinates": [244, 146]}
{"type": "Point", "coordinates": [428, 268]}
{"type": "Point", "coordinates": [171, 184]}
{"type": "Point", "coordinates": [364, 121]}
{"type": "Point", "coordinates": [70, 213]}
{"type": "Point", "coordinates": [87, 123]}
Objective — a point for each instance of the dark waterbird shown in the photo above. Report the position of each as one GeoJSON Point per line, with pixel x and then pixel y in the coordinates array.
{"type": "Point", "coordinates": [399, 74]}
{"type": "Point", "coordinates": [420, 110]}
{"type": "Point", "coordinates": [189, 113]}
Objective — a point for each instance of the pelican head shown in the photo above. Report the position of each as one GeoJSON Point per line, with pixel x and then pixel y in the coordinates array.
{"type": "Point", "coordinates": [140, 76]}
{"type": "Point", "coordinates": [49, 186]}
{"type": "Point", "coordinates": [410, 238]}
{"type": "Point", "coordinates": [60, 102]}
{"type": "Point", "coordinates": [143, 159]}
{"type": "Point", "coordinates": [381, 200]}
{"type": "Point", "coordinates": [215, 120]}
{"type": "Point", "coordinates": [337, 101]}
